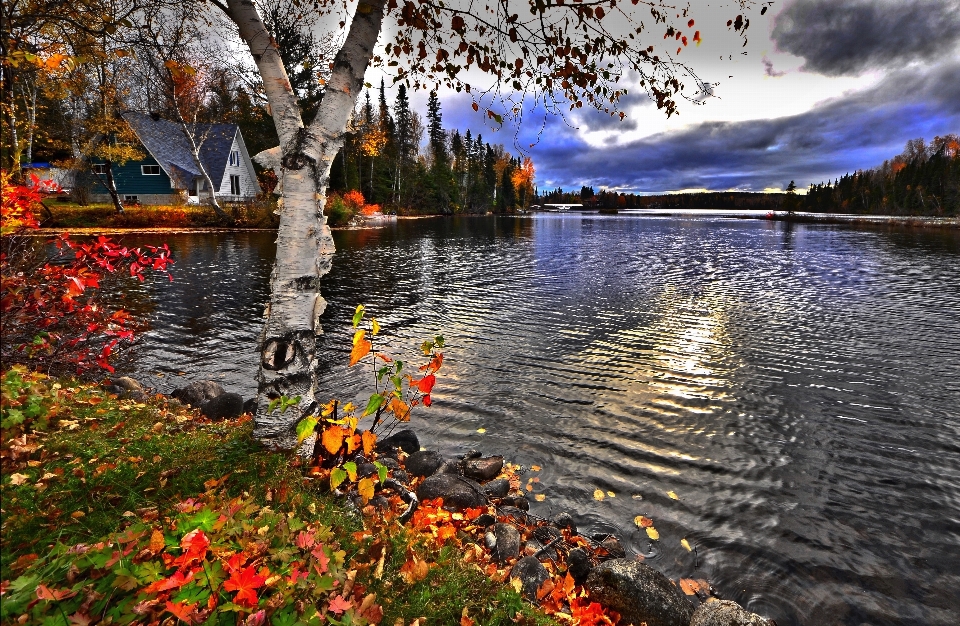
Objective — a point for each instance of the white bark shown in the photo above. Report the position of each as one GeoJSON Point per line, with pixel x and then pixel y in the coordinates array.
{"type": "Point", "coordinates": [304, 243]}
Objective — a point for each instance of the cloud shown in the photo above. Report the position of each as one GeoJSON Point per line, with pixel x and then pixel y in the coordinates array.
{"type": "Point", "coordinates": [841, 135]}
{"type": "Point", "coordinates": [848, 38]}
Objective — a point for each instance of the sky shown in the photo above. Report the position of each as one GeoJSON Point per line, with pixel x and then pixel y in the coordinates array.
{"type": "Point", "coordinates": [826, 87]}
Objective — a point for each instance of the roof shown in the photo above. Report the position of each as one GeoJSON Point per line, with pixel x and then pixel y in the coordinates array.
{"type": "Point", "coordinates": [169, 146]}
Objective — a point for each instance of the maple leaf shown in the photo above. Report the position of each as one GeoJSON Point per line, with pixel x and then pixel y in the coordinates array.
{"type": "Point", "coordinates": [179, 579]}
{"type": "Point", "coordinates": [320, 554]}
{"type": "Point", "coordinates": [245, 583]}
{"type": "Point", "coordinates": [195, 544]}
{"type": "Point", "coordinates": [182, 610]}
{"type": "Point", "coordinates": [305, 540]}
{"type": "Point", "coordinates": [338, 604]}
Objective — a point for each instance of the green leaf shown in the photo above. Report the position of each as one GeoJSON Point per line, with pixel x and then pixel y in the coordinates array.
{"type": "Point", "coordinates": [382, 372]}
{"type": "Point", "coordinates": [381, 471]}
{"type": "Point", "coordinates": [399, 365]}
{"type": "Point", "coordinates": [376, 401]}
{"type": "Point", "coordinates": [337, 476]}
{"type": "Point", "coordinates": [204, 519]}
{"type": "Point", "coordinates": [273, 404]}
{"type": "Point", "coordinates": [358, 315]}
{"type": "Point", "coordinates": [305, 428]}
{"type": "Point", "coordinates": [438, 340]}
{"type": "Point", "coordinates": [397, 382]}
{"type": "Point", "coordinates": [351, 468]}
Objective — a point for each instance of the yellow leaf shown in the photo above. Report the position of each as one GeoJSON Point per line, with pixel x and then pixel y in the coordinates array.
{"type": "Point", "coordinates": [349, 407]}
{"type": "Point", "coordinates": [358, 336]}
{"type": "Point", "coordinates": [375, 326]}
{"type": "Point", "coordinates": [18, 479]}
{"type": "Point", "coordinates": [359, 351]}
{"type": "Point", "coordinates": [332, 439]}
{"type": "Point", "coordinates": [652, 533]}
{"type": "Point", "coordinates": [365, 489]}
{"type": "Point", "coordinates": [611, 494]}
{"type": "Point", "coordinates": [673, 495]}
{"type": "Point", "coordinates": [535, 468]}
{"type": "Point", "coordinates": [369, 439]}
{"type": "Point", "coordinates": [481, 430]}
{"type": "Point", "coordinates": [539, 497]}
{"type": "Point", "coordinates": [598, 495]}
{"type": "Point", "coordinates": [516, 584]}
{"type": "Point", "coordinates": [643, 522]}
{"type": "Point", "coordinates": [686, 544]}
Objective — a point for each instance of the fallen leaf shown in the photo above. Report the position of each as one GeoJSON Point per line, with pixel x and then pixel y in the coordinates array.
{"type": "Point", "coordinates": [338, 604]}
{"type": "Point", "coordinates": [643, 522]}
{"type": "Point", "coordinates": [598, 495]}
{"type": "Point", "coordinates": [686, 544]}
{"type": "Point", "coordinates": [156, 541]}
{"type": "Point", "coordinates": [691, 587]}
{"type": "Point", "coordinates": [77, 514]}
{"type": "Point", "coordinates": [652, 533]}
{"type": "Point", "coordinates": [539, 497]}
{"type": "Point", "coordinates": [673, 495]}
{"type": "Point", "coordinates": [611, 494]}
{"type": "Point", "coordinates": [516, 584]}
{"type": "Point", "coordinates": [481, 430]}
{"type": "Point", "coordinates": [18, 479]}
{"type": "Point", "coordinates": [535, 468]}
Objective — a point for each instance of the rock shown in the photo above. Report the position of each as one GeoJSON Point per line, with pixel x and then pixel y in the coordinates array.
{"type": "Point", "coordinates": [532, 575]}
{"type": "Point", "coordinates": [198, 392]}
{"type": "Point", "coordinates": [380, 502]}
{"type": "Point", "coordinates": [578, 564]}
{"type": "Point", "coordinates": [564, 520]}
{"type": "Point", "coordinates": [517, 502]}
{"type": "Point", "coordinates": [400, 476]}
{"type": "Point", "coordinates": [612, 545]}
{"type": "Point", "coordinates": [546, 534]}
{"type": "Point", "coordinates": [726, 613]}
{"type": "Point", "coordinates": [126, 383]}
{"type": "Point", "coordinates": [449, 467]}
{"type": "Point", "coordinates": [507, 542]}
{"type": "Point", "coordinates": [366, 469]}
{"type": "Point", "coordinates": [513, 513]}
{"type": "Point", "coordinates": [483, 468]}
{"type": "Point", "coordinates": [405, 440]}
{"type": "Point", "coordinates": [485, 520]}
{"type": "Point", "coordinates": [497, 488]}
{"type": "Point", "coordinates": [473, 454]}
{"type": "Point", "coordinates": [639, 594]}
{"type": "Point", "coordinates": [423, 463]}
{"type": "Point", "coordinates": [250, 406]}
{"type": "Point", "coordinates": [457, 492]}
{"type": "Point", "coordinates": [226, 405]}
{"type": "Point", "coordinates": [389, 463]}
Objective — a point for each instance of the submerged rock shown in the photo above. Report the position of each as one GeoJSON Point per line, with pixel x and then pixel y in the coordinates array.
{"type": "Point", "coordinates": [532, 575]}
{"type": "Point", "coordinates": [423, 463]}
{"type": "Point", "coordinates": [198, 392]}
{"type": "Point", "coordinates": [456, 491]}
{"type": "Point", "coordinates": [726, 613]}
{"type": "Point", "coordinates": [226, 405]}
{"type": "Point", "coordinates": [639, 594]}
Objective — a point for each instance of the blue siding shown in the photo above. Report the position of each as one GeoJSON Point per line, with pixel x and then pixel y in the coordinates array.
{"type": "Point", "coordinates": [131, 181]}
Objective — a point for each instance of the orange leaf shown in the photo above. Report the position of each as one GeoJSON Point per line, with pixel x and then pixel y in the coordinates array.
{"type": "Point", "coordinates": [691, 587]}
{"type": "Point", "coordinates": [425, 384]}
{"type": "Point", "coordinates": [338, 604]}
{"type": "Point", "coordinates": [156, 541]}
{"type": "Point", "coordinates": [360, 350]}
{"type": "Point", "coordinates": [365, 489]}
{"type": "Point", "coordinates": [369, 439]}
{"type": "Point", "coordinates": [332, 439]}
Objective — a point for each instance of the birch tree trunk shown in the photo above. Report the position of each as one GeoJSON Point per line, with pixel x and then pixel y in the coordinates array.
{"type": "Point", "coordinates": [304, 243]}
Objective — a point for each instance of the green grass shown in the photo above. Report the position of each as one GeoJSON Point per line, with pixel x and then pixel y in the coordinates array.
{"type": "Point", "coordinates": [105, 463]}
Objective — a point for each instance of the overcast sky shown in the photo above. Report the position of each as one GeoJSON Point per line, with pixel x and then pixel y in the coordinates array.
{"type": "Point", "coordinates": [825, 87]}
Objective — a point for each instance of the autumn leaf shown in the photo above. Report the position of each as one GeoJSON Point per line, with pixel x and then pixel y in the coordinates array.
{"type": "Point", "coordinates": [365, 488]}
{"type": "Point", "coordinates": [361, 348]}
{"type": "Point", "coordinates": [245, 582]}
{"type": "Point", "coordinates": [374, 326]}
{"type": "Point", "coordinates": [425, 384]}
{"type": "Point", "coordinates": [673, 496]}
{"type": "Point", "coordinates": [351, 469]}
{"type": "Point", "coordinates": [369, 440]}
{"type": "Point", "coordinates": [338, 605]}
{"type": "Point", "coordinates": [183, 611]}
{"type": "Point", "coordinates": [652, 533]}
{"type": "Point", "coordinates": [156, 541]}
{"type": "Point", "coordinates": [539, 497]}
{"type": "Point", "coordinates": [481, 430]}
{"type": "Point", "coordinates": [18, 479]}
{"type": "Point", "coordinates": [643, 522]}
{"type": "Point", "coordinates": [305, 540]}
{"type": "Point", "coordinates": [691, 587]}
{"type": "Point", "coordinates": [686, 544]}
{"type": "Point", "coordinates": [358, 315]}
{"type": "Point", "coordinates": [305, 428]}
{"type": "Point", "coordinates": [332, 439]}
{"type": "Point", "coordinates": [598, 495]}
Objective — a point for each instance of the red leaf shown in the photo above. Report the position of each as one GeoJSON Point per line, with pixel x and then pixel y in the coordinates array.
{"type": "Point", "coordinates": [245, 583]}
{"type": "Point", "coordinates": [182, 610]}
{"type": "Point", "coordinates": [338, 605]}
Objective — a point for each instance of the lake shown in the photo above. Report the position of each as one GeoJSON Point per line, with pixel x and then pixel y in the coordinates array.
{"type": "Point", "coordinates": [796, 386]}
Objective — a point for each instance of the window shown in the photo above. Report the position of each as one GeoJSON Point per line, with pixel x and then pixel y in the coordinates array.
{"type": "Point", "coordinates": [100, 168]}
{"type": "Point", "coordinates": [234, 185]}
{"type": "Point", "coordinates": [132, 199]}
{"type": "Point", "coordinates": [150, 170]}
{"type": "Point", "coordinates": [235, 157]}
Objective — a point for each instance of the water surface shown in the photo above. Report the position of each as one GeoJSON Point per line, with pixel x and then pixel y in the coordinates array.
{"type": "Point", "coordinates": [797, 386]}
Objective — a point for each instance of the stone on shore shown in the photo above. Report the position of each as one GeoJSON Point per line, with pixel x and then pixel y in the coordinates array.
{"type": "Point", "coordinates": [457, 492]}
{"type": "Point", "coordinates": [482, 469]}
{"type": "Point", "coordinates": [507, 542]}
{"type": "Point", "coordinates": [497, 488]}
{"type": "Point", "coordinates": [726, 613]}
{"type": "Point", "coordinates": [639, 594]}
{"type": "Point", "coordinates": [198, 392]}
{"type": "Point", "coordinates": [405, 440]}
{"type": "Point", "coordinates": [578, 564]}
{"type": "Point", "coordinates": [423, 463]}
{"type": "Point", "coordinates": [532, 574]}
{"type": "Point", "coordinates": [225, 406]}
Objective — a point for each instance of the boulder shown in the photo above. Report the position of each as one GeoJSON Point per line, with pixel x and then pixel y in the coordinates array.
{"type": "Point", "coordinates": [400, 476]}
{"type": "Point", "coordinates": [517, 502]}
{"type": "Point", "coordinates": [483, 468]}
{"type": "Point", "coordinates": [126, 383]}
{"type": "Point", "coordinates": [507, 544]}
{"type": "Point", "coordinates": [564, 520]}
{"type": "Point", "coordinates": [456, 491]}
{"type": "Point", "coordinates": [405, 440]}
{"type": "Point", "coordinates": [532, 575]}
{"type": "Point", "coordinates": [226, 405]}
{"type": "Point", "coordinates": [639, 594]}
{"type": "Point", "coordinates": [423, 463]}
{"type": "Point", "coordinates": [250, 406]}
{"type": "Point", "coordinates": [449, 467]}
{"type": "Point", "coordinates": [612, 545]}
{"type": "Point", "coordinates": [485, 520]}
{"type": "Point", "coordinates": [726, 613]}
{"type": "Point", "coordinates": [497, 488]}
{"type": "Point", "coordinates": [578, 564]}
{"type": "Point", "coordinates": [472, 454]}
{"type": "Point", "coordinates": [389, 463]}
{"type": "Point", "coordinates": [198, 392]}
{"type": "Point", "coordinates": [366, 469]}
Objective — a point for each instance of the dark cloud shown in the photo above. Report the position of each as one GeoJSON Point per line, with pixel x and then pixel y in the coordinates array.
{"type": "Point", "coordinates": [847, 38]}
{"type": "Point", "coordinates": [838, 136]}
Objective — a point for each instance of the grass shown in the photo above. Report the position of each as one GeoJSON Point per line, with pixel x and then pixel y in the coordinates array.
{"type": "Point", "coordinates": [79, 464]}
{"type": "Point", "coordinates": [257, 214]}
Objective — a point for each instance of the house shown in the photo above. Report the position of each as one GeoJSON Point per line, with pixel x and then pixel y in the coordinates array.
{"type": "Point", "coordinates": [168, 174]}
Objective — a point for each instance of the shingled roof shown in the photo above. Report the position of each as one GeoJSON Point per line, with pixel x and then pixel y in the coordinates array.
{"type": "Point", "coordinates": [167, 144]}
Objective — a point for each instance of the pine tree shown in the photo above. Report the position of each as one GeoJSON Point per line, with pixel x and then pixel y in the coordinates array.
{"type": "Point", "coordinates": [438, 139]}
